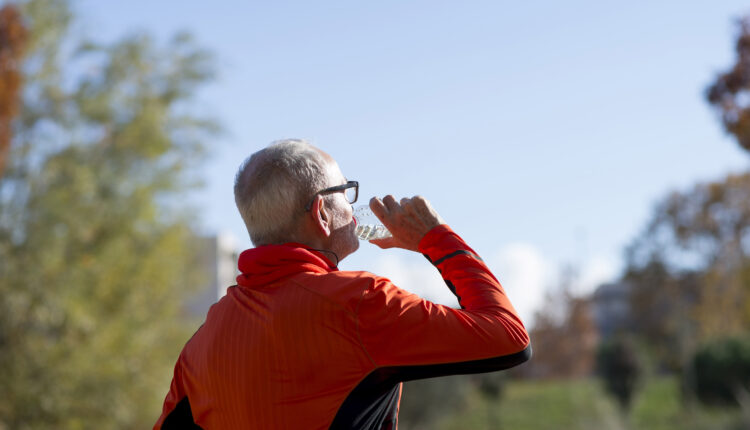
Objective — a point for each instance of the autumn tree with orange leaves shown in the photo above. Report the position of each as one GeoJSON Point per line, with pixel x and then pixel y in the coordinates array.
{"type": "Point", "coordinates": [12, 44]}
{"type": "Point", "coordinates": [729, 94]}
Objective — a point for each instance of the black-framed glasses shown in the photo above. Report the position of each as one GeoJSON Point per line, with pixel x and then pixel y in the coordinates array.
{"type": "Point", "coordinates": [350, 189]}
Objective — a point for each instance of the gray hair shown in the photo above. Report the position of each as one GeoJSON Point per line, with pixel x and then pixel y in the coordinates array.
{"type": "Point", "coordinates": [273, 186]}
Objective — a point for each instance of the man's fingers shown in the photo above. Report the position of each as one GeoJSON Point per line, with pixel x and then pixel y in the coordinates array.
{"type": "Point", "coordinates": [386, 243]}
{"type": "Point", "coordinates": [390, 203]}
{"type": "Point", "coordinates": [424, 208]}
{"type": "Point", "coordinates": [377, 207]}
{"type": "Point", "coordinates": [408, 220]}
{"type": "Point", "coordinates": [421, 206]}
{"type": "Point", "coordinates": [410, 206]}
{"type": "Point", "coordinates": [420, 203]}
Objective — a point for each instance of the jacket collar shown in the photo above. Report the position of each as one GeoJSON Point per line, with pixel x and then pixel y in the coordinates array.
{"type": "Point", "coordinates": [266, 264]}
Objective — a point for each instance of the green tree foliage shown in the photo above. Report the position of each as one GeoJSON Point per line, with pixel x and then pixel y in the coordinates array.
{"type": "Point", "coordinates": [95, 244]}
{"type": "Point", "coordinates": [720, 370]}
{"type": "Point", "coordinates": [729, 93]}
{"type": "Point", "coordinates": [620, 367]}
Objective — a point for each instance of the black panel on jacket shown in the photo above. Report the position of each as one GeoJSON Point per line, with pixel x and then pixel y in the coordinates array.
{"type": "Point", "coordinates": [373, 403]}
{"type": "Point", "coordinates": [181, 417]}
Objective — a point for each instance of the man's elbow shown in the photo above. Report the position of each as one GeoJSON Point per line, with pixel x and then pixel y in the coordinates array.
{"type": "Point", "coordinates": [520, 339]}
{"type": "Point", "coordinates": [518, 358]}
{"type": "Point", "coordinates": [507, 361]}
{"type": "Point", "coordinates": [524, 355]}
{"type": "Point", "coordinates": [524, 342]}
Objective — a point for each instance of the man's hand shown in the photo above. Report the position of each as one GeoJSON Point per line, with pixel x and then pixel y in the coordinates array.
{"type": "Point", "coordinates": [408, 221]}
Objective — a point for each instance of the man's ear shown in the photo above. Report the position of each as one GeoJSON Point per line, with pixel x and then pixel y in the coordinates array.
{"type": "Point", "coordinates": [321, 215]}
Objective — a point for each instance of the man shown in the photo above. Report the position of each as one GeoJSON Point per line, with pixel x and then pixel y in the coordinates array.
{"type": "Point", "coordinates": [298, 344]}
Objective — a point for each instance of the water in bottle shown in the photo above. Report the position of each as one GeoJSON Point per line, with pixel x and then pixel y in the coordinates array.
{"type": "Point", "coordinates": [369, 226]}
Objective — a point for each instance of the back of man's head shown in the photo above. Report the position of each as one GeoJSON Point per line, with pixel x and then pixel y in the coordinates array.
{"type": "Point", "coordinates": [272, 187]}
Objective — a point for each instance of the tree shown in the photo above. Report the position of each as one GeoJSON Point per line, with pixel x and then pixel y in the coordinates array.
{"type": "Point", "coordinates": [12, 43]}
{"type": "Point", "coordinates": [95, 240]}
{"type": "Point", "coordinates": [564, 335]}
{"type": "Point", "coordinates": [661, 312]}
{"type": "Point", "coordinates": [689, 268]}
{"type": "Point", "coordinates": [729, 93]}
{"type": "Point", "coordinates": [690, 265]}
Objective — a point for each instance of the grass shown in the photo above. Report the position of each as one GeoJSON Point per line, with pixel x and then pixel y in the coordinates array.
{"type": "Point", "coordinates": [584, 405]}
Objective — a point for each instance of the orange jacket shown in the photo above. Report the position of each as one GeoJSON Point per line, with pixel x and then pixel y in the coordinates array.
{"type": "Point", "coordinates": [298, 344]}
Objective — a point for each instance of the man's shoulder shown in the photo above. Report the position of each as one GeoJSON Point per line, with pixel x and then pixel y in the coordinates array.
{"type": "Point", "coordinates": [340, 285]}
{"type": "Point", "coordinates": [339, 279]}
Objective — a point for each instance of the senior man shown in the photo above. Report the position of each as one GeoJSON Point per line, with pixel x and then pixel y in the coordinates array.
{"type": "Point", "coordinates": [298, 344]}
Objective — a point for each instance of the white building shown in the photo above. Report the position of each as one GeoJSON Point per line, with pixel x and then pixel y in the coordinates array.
{"type": "Point", "coordinates": [219, 255]}
{"type": "Point", "coordinates": [611, 307]}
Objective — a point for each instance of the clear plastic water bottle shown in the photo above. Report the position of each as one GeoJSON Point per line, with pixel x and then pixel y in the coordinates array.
{"type": "Point", "coordinates": [369, 226]}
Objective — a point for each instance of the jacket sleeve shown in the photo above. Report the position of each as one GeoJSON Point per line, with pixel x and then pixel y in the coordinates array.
{"type": "Point", "coordinates": [176, 412]}
{"type": "Point", "coordinates": [420, 339]}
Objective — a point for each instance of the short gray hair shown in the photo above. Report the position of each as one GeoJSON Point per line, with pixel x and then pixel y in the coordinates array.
{"type": "Point", "coordinates": [273, 186]}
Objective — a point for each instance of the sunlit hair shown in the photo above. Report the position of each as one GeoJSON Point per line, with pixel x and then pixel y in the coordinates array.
{"type": "Point", "coordinates": [273, 186]}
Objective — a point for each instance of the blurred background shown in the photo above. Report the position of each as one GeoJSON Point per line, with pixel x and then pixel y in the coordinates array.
{"type": "Point", "coordinates": [596, 156]}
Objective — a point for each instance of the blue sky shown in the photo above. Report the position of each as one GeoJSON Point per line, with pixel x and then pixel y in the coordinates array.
{"type": "Point", "coordinates": [543, 132]}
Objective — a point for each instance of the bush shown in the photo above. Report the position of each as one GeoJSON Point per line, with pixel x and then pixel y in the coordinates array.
{"type": "Point", "coordinates": [490, 385]}
{"type": "Point", "coordinates": [719, 369]}
{"type": "Point", "coordinates": [620, 366]}
{"type": "Point", "coordinates": [426, 402]}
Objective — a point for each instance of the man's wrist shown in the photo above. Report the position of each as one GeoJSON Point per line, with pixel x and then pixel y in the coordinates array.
{"type": "Point", "coordinates": [433, 237]}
